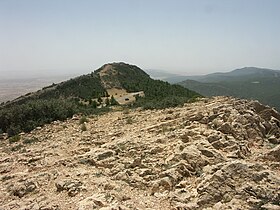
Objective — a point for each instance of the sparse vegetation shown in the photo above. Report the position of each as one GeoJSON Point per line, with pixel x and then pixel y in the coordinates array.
{"type": "Point", "coordinates": [17, 147]}
{"type": "Point", "coordinates": [99, 100]}
{"type": "Point", "coordinates": [107, 102]}
{"type": "Point", "coordinates": [126, 111]}
{"type": "Point", "coordinates": [83, 127]}
{"type": "Point", "coordinates": [163, 103]}
{"type": "Point", "coordinates": [93, 104]}
{"type": "Point", "coordinates": [113, 101]}
{"type": "Point", "coordinates": [129, 120]}
{"type": "Point", "coordinates": [98, 174]}
{"type": "Point", "coordinates": [82, 120]}
{"type": "Point", "coordinates": [30, 140]}
{"type": "Point", "coordinates": [14, 139]}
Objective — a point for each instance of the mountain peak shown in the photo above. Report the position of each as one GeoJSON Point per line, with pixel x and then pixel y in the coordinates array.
{"type": "Point", "coordinates": [113, 83]}
{"type": "Point", "coordinates": [113, 75]}
{"type": "Point", "coordinates": [118, 64]}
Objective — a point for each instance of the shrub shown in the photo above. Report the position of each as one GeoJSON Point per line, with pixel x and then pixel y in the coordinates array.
{"type": "Point", "coordinates": [126, 111]}
{"type": "Point", "coordinates": [129, 120]}
{"type": "Point", "coordinates": [82, 120]}
{"type": "Point", "coordinates": [161, 103]}
{"type": "Point", "coordinates": [113, 101]}
{"type": "Point", "coordinates": [93, 104]}
{"type": "Point", "coordinates": [14, 139]}
{"type": "Point", "coordinates": [12, 130]}
{"type": "Point", "coordinates": [83, 127]}
{"type": "Point", "coordinates": [30, 140]}
{"type": "Point", "coordinates": [107, 102]}
{"type": "Point", "coordinates": [25, 117]}
{"type": "Point", "coordinates": [99, 100]}
{"type": "Point", "coordinates": [17, 147]}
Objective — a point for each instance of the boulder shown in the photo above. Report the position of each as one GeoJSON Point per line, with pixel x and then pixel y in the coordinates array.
{"type": "Point", "coordinates": [96, 201]}
{"type": "Point", "coordinates": [273, 139]}
{"type": "Point", "coordinates": [21, 189]}
{"type": "Point", "coordinates": [196, 117]}
{"type": "Point", "coordinates": [72, 186]}
{"type": "Point", "coordinates": [273, 154]}
{"type": "Point", "coordinates": [226, 128]}
{"type": "Point", "coordinates": [161, 185]}
{"type": "Point", "coordinates": [258, 106]}
{"type": "Point", "coordinates": [225, 184]}
{"type": "Point", "coordinates": [193, 157]}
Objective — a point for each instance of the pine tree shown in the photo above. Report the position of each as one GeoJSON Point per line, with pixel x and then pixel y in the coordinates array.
{"type": "Point", "coordinates": [113, 101]}
{"type": "Point", "coordinates": [99, 100]}
{"type": "Point", "coordinates": [107, 102]}
{"type": "Point", "coordinates": [93, 104]}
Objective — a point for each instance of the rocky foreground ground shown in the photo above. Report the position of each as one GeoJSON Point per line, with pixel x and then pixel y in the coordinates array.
{"type": "Point", "coordinates": [220, 153]}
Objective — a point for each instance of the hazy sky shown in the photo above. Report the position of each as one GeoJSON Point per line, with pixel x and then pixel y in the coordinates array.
{"type": "Point", "coordinates": [182, 36]}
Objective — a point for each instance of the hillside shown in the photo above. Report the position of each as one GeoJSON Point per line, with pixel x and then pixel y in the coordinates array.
{"type": "Point", "coordinates": [208, 89]}
{"type": "Point", "coordinates": [249, 82]}
{"type": "Point", "coordinates": [115, 83]}
{"type": "Point", "coordinates": [219, 153]}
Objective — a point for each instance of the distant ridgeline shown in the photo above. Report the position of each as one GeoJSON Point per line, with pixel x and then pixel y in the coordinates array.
{"type": "Point", "coordinates": [89, 94]}
{"type": "Point", "coordinates": [248, 82]}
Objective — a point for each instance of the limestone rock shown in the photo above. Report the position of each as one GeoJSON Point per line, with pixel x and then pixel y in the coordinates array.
{"type": "Point", "coordinates": [95, 201]}
{"type": "Point", "coordinates": [226, 128]}
{"type": "Point", "coordinates": [273, 154]}
{"type": "Point", "coordinates": [161, 185]}
{"type": "Point", "coordinates": [71, 186]}
{"type": "Point", "coordinates": [274, 140]}
{"type": "Point", "coordinates": [22, 189]}
{"type": "Point", "coordinates": [216, 153]}
{"type": "Point", "coordinates": [223, 185]}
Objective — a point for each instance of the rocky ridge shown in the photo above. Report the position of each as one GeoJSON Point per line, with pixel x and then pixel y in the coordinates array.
{"type": "Point", "coordinates": [218, 153]}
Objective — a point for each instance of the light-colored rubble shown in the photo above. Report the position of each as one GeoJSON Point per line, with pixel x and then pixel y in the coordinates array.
{"type": "Point", "coordinates": [219, 153]}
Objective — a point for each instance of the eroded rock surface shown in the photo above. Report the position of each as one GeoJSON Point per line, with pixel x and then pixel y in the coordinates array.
{"type": "Point", "coordinates": [219, 153]}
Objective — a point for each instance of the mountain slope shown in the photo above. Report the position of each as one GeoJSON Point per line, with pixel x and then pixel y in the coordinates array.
{"type": "Point", "coordinates": [133, 79]}
{"type": "Point", "coordinates": [207, 89]}
{"type": "Point", "coordinates": [219, 153]}
{"type": "Point", "coordinates": [82, 87]}
{"type": "Point", "coordinates": [91, 93]}
{"type": "Point", "coordinates": [249, 82]}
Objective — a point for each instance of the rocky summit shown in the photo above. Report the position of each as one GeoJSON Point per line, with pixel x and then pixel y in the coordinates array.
{"type": "Point", "coordinates": [216, 153]}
